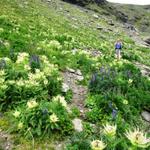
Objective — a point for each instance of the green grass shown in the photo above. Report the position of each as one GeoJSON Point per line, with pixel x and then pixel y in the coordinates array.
{"type": "Point", "coordinates": [30, 26]}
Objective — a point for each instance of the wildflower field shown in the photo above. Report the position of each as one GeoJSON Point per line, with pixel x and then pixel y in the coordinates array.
{"type": "Point", "coordinates": [39, 42]}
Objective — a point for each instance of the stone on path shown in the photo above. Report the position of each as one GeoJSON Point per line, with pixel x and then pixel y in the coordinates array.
{"type": "Point", "coordinates": [71, 70]}
{"type": "Point", "coordinates": [95, 16]}
{"type": "Point", "coordinates": [146, 115]}
{"type": "Point", "coordinates": [77, 124]}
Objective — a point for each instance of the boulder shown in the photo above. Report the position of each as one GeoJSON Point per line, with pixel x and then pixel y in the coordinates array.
{"type": "Point", "coordinates": [146, 115]}
{"type": "Point", "coordinates": [99, 28]}
{"type": "Point", "coordinates": [71, 70]}
{"type": "Point", "coordinates": [78, 72]}
{"type": "Point", "coordinates": [95, 16]}
{"type": "Point", "coordinates": [80, 78]}
{"type": "Point", "coordinates": [77, 124]}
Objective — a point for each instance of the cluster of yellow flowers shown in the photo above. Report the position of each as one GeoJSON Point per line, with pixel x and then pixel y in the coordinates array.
{"type": "Point", "coordinates": [130, 81]}
{"type": "Point", "coordinates": [2, 73]}
{"type": "Point", "coordinates": [98, 145]}
{"type": "Point", "coordinates": [49, 45]}
{"type": "Point", "coordinates": [60, 99]}
{"type": "Point", "coordinates": [27, 67]}
{"type": "Point", "coordinates": [110, 130]}
{"type": "Point", "coordinates": [20, 125]}
{"type": "Point", "coordinates": [21, 57]}
{"type": "Point", "coordinates": [32, 104]}
{"type": "Point", "coordinates": [1, 30]}
{"type": "Point", "coordinates": [34, 79]}
{"type": "Point", "coordinates": [53, 118]}
{"type": "Point", "coordinates": [54, 44]}
{"type": "Point", "coordinates": [125, 102]}
{"type": "Point", "coordinates": [16, 114]}
{"type": "Point", "coordinates": [48, 68]}
{"type": "Point", "coordinates": [25, 83]}
{"type": "Point", "coordinates": [6, 59]}
{"type": "Point", "coordinates": [2, 81]}
{"type": "Point", "coordinates": [138, 138]}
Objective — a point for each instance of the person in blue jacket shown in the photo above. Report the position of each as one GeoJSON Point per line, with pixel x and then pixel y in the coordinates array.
{"type": "Point", "coordinates": [118, 47]}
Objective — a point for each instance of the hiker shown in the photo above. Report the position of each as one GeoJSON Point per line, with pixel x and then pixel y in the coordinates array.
{"type": "Point", "coordinates": [118, 47]}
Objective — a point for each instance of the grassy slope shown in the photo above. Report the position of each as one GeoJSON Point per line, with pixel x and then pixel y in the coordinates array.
{"type": "Point", "coordinates": [24, 25]}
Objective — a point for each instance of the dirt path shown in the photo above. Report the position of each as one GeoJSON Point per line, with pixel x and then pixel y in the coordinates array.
{"type": "Point", "coordinates": [5, 141]}
{"type": "Point", "coordinates": [79, 91]}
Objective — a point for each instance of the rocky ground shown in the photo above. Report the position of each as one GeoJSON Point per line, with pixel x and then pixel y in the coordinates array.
{"type": "Point", "coordinates": [5, 141]}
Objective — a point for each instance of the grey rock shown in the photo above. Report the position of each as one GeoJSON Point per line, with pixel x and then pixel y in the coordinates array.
{"type": "Point", "coordinates": [111, 23]}
{"type": "Point", "coordinates": [145, 70]}
{"type": "Point", "coordinates": [110, 30]}
{"type": "Point", "coordinates": [130, 27]}
{"type": "Point", "coordinates": [77, 124]}
{"type": "Point", "coordinates": [78, 72]}
{"type": "Point", "coordinates": [74, 51]}
{"type": "Point", "coordinates": [80, 78]}
{"type": "Point", "coordinates": [146, 115]}
{"type": "Point", "coordinates": [95, 16]}
{"type": "Point", "coordinates": [71, 70]}
{"type": "Point", "coordinates": [99, 28]}
{"type": "Point", "coordinates": [74, 19]}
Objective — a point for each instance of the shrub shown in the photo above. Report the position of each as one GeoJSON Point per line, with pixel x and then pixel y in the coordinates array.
{"type": "Point", "coordinates": [40, 119]}
{"type": "Point", "coordinates": [119, 88]}
{"type": "Point", "coordinates": [23, 80]}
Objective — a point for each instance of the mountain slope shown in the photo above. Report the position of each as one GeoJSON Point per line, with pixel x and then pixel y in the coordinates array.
{"type": "Point", "coordinates": [55, 43]}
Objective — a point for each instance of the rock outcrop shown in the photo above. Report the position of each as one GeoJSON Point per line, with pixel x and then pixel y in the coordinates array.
{"type": "Point", "coordinates": [85, 2]}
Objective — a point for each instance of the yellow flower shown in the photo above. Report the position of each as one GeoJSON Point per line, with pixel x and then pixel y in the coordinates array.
{"type": "Point", "coordinates": [97, 145]}
{"type": "Point", "coordinates": [137, 138]}
{"type": "Point", "coordinates": [1, 30]}
{"type": "Point", "coordinates": [4, 87]}
{"type": "Point", "coordinates": [27, 67]}
{"type": "Point", "coordinates": [43, 57]}
{"type": "Point", "coordinates": [130, 81]}
{"type": "Point", "coordinates": [8, 60]}
{"type": "Point", "coordinates": [7, 44]}
{"type": "Point", "coordinates": [37, 71]}
{"type": "Point", "coordinates": [2, 72]}
{"type": "Point", "coordinates": [20, 82]}
{"type": "Point", "coordinates": [21, 57]}
{"type": "Point", "coordinates": [45, 82]}
{"type": "Point", "coordinates": [20, 125]}
{"type": "Point", "coordinates": [32, 104]}
{"type": "Point", "coordinates": [54, 44]}
{"type": "Point", "coordinates": [60, 99]}
{"type": "Point", "coordinates": [11, 82]}
{"type": "Point", "coordinates": [125, 101]}
{"type": "Point", "coordinates": [53, 118]}
{"type": "Point", "coordinates": [16, 114]}
{"type": "Point", "coordinates": [110, 130]}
